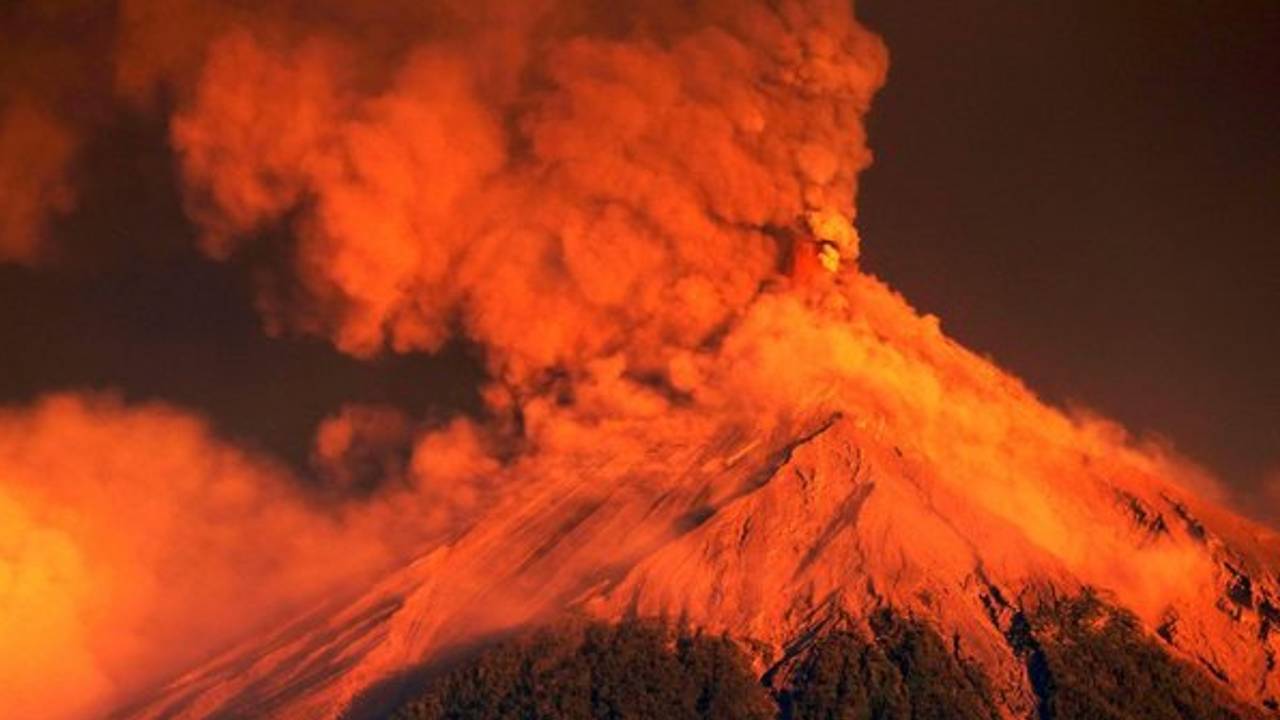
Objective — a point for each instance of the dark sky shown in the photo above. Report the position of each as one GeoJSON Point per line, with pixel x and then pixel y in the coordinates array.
{"type": "Point", "coordinates": [131, 305]}
{"type": "Point", "coordinates": [1089, 191]}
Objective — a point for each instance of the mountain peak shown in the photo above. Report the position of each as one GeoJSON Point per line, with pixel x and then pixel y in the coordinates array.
{"type": "Point", "coordinates": [779, 533]}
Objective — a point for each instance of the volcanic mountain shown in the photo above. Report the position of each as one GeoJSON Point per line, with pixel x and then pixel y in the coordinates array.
{"type": "Point", "coordinates": [692, 406]}
{"type": "Point", "coordinates": [923, 481]}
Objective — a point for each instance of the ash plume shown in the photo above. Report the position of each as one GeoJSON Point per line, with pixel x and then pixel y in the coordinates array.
{"type": "Point", "coordinates": [51, 92]}
{"type": "Point", "coordinates": [602, 197]}
{"type": "Point", "coordinates": [593, 197]}
{"type": "Point", "coordinates": [555, 185]}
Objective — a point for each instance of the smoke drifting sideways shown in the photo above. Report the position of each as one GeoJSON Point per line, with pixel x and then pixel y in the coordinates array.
{"type": "Point", "coordinates": [134, 543]}
{"type": "Point", "coordinates": [592, 193]}
{"type": "Point", "coordinates": [597, 195]}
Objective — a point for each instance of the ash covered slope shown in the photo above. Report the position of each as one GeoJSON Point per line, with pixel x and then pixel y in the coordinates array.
{"type": "Point", "coordinates": [599, 197]}
{"type": "Point", "coordinates": [918, 477]}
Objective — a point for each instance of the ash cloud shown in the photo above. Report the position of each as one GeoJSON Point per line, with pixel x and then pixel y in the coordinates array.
{"type": "Point", "coordinates": [591, 196]}
{"type": "Point", "coordinates": [51, 92]}
{"type": "Point", "coordinates": [554, 181]}
{"type": "Point", "coordinates": [554, 186]}
{"type": "Point", "coordinates": [36, 150]}
{"type": "Point", "coordinates": [597, 196]}
{"type": "Point", "coordinates": [134, 543]}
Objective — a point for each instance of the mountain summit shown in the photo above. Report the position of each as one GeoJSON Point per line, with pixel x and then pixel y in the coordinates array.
{"type": "Point", "coordinates": [685, 401]}
{"type": "Point", "coordinates": [925, 482]}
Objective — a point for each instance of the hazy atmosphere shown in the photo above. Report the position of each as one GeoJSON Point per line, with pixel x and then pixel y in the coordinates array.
{"type": "Point", "coordinates": [1089, 192]}
{"type": "Point", "coordinates": [466, 358]}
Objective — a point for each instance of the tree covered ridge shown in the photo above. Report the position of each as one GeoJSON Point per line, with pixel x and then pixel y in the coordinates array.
{"type": "Point", "coordinates": [902, 671]}
{"type": "Point", "coordinates": [632, 670]}
{"type": "Point", "coordinates": [1087, 659]}
{"type": "Point", "coordinates": [1084, 660]}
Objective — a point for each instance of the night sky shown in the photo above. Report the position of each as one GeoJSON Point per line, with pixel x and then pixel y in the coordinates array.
{"type": "Point", "coordinates": [1087, 191]}
{"type": "Point", "coordinates": [131, 305]}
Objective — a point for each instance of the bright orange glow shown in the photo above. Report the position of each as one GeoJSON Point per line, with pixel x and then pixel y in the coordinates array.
{"type": "Point", "coordinates": [600, 204]}
{"type": "Point", "coordinates": [133, 543]}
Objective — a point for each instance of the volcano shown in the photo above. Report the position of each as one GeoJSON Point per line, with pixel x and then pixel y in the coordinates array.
{"type": "Point", "coordinates": [690, 418]}
{"type": "Point", "coordinates": [973, 509]}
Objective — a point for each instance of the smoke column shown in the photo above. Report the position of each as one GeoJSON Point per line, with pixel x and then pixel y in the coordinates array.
{"type": "Point", "coordinates": [593, 195]}
{"type": "Point", "coordinates": [601, 196]}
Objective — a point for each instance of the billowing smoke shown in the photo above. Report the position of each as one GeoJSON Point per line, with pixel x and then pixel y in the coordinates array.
{"type": "Point", "coordinates": [592, 193]}
{"type": "Point", "coordinates": [557, 186]}
{"type": "Point", "coordinates": [50, 94]}
{"type": "Point", "coordinates": [134, 543]}
{"type": "Point", "coordinates": [557, 181]}
{"type": "Point", "coordinates": [131, 542]}
{"type": "Point", "coordinates": [34, 152]}
{"type": "Point", "coordinates": [601, 196]}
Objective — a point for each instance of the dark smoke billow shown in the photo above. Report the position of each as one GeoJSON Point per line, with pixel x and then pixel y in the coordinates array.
{"type": "Point", "coordinates": [594, 198]}
{"type": "Point", "coordinates": [600, 200]}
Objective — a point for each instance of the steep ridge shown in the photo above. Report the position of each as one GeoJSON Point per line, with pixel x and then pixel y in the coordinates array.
{"type": "Point", "coordinates": [551, 546]}
{"type": "Point", "coordinates": [968, 507]}
{"type": "Point", "coordinates": [850, 526]}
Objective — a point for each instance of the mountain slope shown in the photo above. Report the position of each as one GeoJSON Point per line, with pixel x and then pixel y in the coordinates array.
{"type": "Point", "coordinates": [916, 477]}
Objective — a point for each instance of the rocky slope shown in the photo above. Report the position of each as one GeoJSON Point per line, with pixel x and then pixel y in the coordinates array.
{"type": "Point", "coordinates": [969, 507]}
